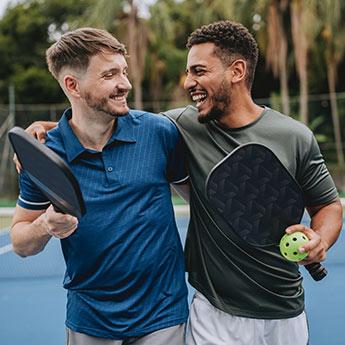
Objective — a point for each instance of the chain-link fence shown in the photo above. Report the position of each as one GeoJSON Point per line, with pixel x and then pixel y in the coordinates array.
{"type": "Point", "coordinates": [320, 121]}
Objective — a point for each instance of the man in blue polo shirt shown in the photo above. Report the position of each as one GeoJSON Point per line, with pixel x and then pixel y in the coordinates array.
{"type": "Point", "coordinates": [124, 262]}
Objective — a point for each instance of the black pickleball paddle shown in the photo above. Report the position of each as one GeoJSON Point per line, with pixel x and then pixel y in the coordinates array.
{"type": "Point", "coordinates": [258, 197]}
{"type": "Point", "coordinates": [49, 172]}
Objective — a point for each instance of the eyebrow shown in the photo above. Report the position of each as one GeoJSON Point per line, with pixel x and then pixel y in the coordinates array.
{"type": "Point", "coordinates": [112, 70]}
{"type": "Point", "coordinates": [194, 67]}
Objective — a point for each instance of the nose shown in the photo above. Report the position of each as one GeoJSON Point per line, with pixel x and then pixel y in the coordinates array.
{"type": "Point", "coordinates": [189, 82]}
{"type": "Point", "coordinates": [125, 84]}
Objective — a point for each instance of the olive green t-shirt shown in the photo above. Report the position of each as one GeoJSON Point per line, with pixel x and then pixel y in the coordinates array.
{"type": "Point", "coordinates": [235, 277]}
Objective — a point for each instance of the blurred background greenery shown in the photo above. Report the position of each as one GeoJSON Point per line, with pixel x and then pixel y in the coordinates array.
{"type": "Point", "coordinates": [301, 69]}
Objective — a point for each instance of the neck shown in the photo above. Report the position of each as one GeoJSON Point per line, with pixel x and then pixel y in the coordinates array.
{"type": "Point", "coordinates": [242, 112]}
{"type": "Point", "coordinates": [92, 129]}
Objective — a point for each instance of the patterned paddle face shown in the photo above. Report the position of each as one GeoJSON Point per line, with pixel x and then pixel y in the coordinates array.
{"type": "Point", "coordinates": [257, 197]}
{"type": "Point", "coordinates": [255, 194]}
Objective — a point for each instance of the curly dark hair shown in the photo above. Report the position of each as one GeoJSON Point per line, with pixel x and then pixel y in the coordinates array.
{"type": "Point", "coordinates": [232, 41]}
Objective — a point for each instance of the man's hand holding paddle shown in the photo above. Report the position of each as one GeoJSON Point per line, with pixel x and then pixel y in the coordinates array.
{"type": "Point", "coordinates": [58, 224]}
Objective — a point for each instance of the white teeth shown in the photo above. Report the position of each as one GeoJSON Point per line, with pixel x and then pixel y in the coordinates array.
{"type": "Point", "coordinates": [197, 98]}
{"type": "Point", "coordinates": [119, 98]}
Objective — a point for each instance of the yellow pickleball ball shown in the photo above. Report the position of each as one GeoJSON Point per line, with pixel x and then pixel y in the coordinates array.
{"type": "Point", "coordinates": [289, 245]}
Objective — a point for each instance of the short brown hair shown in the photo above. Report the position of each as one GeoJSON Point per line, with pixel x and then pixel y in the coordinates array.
{"type": "Point", "coordinates": [75, 48]}
{"type": "Point", "coordinates": [232, 40]}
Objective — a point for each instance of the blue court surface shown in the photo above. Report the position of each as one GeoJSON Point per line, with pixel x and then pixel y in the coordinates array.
{"type": "Point", "coordinates": [32, 301]}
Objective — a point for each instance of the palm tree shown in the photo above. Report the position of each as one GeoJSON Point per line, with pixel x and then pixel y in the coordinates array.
{"type": "Point", "coordinates": [212, 10]}
{"type": "Point", "coordinates": [333, 34]}
{"type": "Point", "coordinates": [170, 24]}
{"type": "Point", "coordinates": [275, 44]}
{"type": "Point", "coordinates": [305, 27]}
{"type": "Point", "coordinates": [137, 45]}
{"type": "Point", "coordinates": [162, 52]}
{"type": "Point", "coordinates": [122, 17]}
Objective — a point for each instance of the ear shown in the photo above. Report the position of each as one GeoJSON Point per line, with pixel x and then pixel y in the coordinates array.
{"type": "Point", "coordinates": [238, 70]}
{"type": "Point", "coordinates": [71, 85]}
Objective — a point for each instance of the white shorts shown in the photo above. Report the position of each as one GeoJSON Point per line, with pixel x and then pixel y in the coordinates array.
{"type": "Point", "coordinates": [210, 326]}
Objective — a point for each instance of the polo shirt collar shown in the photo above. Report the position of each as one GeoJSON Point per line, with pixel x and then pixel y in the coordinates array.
{"type": "Point", "coordinates": [124, 132]}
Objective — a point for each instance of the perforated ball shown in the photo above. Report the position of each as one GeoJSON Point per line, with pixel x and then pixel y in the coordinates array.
{"type": "Point", "coordinates": [289, 245]}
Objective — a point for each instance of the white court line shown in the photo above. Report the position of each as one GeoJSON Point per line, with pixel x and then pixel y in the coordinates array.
{"type": "Point", "coordinates": [6, 211]}
{"type": "Point", "coordinates": [6, 249]}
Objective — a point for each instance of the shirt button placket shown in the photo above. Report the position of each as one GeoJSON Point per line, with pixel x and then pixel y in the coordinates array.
{"type": "Point", "coordinates": [108, 166]}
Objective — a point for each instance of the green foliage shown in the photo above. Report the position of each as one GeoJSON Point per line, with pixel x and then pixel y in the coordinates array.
{"type": "Point", "coordinates": [315, 126]}
{"type": "Point", "coordinates": [26, 28]}
{"type": "Point", "coordinates": [35, 82]}
{"type": "Point", "coordinates": [24, 37]}
{"type": "Point", "coordinates": [30, 26]}
{"type": "Point", "coordinates": [7, 203]}
{"type": "Point", "coordinates": [177, 200]}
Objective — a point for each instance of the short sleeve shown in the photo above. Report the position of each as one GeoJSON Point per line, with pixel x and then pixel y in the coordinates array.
{"type": "Point", "coordinates": [177, 169]}
{"type": "Point", "coordinates": [30, 196]}
{"type": "Point", "coordinates": [316, 182]}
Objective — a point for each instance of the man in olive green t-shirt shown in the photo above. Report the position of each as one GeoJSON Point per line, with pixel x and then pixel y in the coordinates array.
{"type": "Point", "coordinates": [245, 295]}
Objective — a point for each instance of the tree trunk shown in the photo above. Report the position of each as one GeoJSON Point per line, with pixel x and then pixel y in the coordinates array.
{"type": "Point", "coordinates": [300, 43]}
{"type": "Point", "coordinates": [303, 103]}
{"type": "Point", "coordinates": [283, 77]}
{"type": "Point", "coordinates": [331, 76]}
{"type": "Point", "coordinates": [134, 64]}
{"type": "Point", "coordinates": [138, 98]}
{"type": "Point", "coordinates": [156, 82]}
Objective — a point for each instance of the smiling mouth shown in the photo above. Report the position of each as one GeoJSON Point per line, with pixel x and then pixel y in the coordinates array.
{"type": "Point", "coordinates": [199, 98]}
{"type": "Point", "coordinates": [119, 98]}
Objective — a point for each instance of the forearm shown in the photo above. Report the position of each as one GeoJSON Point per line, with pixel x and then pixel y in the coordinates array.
{"type": "Point", "coordinates": [29, 238]}
{"type": "Point", "coordinates": [327, 222]}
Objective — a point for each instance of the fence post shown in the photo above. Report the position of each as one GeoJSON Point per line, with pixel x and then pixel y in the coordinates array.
{"type": "Point", "coordinates": [6, 153]}
{"type": "Point", "coordinates": [12, 106]}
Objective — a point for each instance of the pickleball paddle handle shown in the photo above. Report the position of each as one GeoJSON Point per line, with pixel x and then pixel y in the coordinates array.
{"type": "Point", "coordinates": [56, 209]}
{"type": "Point", "coordinates": [316, 270]}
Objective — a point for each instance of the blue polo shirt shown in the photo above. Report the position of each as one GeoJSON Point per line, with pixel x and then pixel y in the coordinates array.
{"type": "Point", "coordinates": [124, 263]}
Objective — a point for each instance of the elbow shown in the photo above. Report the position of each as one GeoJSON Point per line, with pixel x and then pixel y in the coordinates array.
{"type": "Point", "coordinates": [25, 250]}
{"type": "Point", "coordinates": [19, 253]}
{"type": "Point", "coordinates": [17, 249]}
{"type": "Point", "coordinates": [24, 241]}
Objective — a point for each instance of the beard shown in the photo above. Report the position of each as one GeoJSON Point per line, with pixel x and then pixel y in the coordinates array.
{"type": "Point", "coordinates": [101, 105]}
{"type": "Point", "coordinates": [221, 101]}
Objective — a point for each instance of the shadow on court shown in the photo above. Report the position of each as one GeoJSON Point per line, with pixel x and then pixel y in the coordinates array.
{"type": "Point", "coordinates": [32, 300]}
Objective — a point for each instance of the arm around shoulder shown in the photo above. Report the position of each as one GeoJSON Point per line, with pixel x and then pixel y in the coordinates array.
{"type": "Point", "coordinates": [38, 129]}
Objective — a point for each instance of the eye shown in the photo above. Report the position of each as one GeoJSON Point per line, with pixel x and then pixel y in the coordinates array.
{"type": "Point", "coordinates": [108, 75]}
{"type": "Point", "coordinates": [199, 71]}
